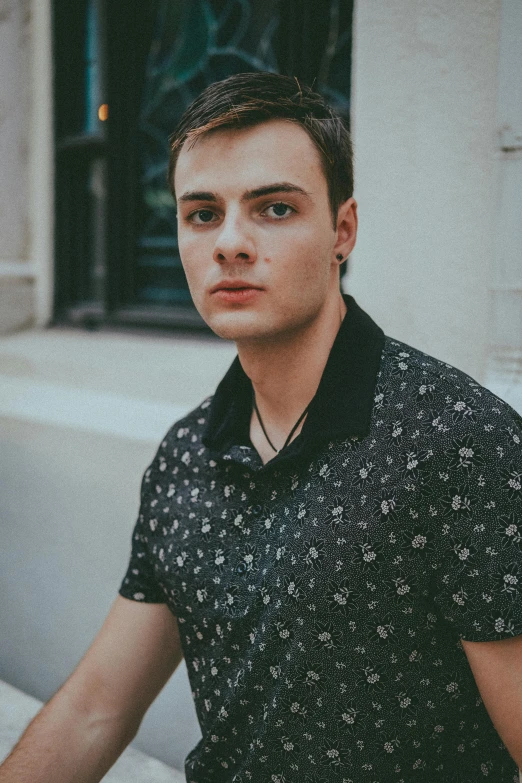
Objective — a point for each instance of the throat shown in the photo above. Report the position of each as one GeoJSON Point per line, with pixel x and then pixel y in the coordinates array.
{"type": "Point", "coordinates": [261, 438]}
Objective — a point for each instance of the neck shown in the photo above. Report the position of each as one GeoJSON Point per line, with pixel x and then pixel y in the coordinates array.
{"type": "Point", "coordinates": [285, 372]}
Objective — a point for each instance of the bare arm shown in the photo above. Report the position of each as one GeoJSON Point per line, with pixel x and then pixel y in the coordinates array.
{"type": "Point", "coordinates": [83, 729]}
{"type": "Point", "coordinates": [497, 668]}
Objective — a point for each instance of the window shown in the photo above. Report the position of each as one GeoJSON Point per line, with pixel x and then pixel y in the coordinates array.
{"type": "Point", "coordinates": [125, 70]}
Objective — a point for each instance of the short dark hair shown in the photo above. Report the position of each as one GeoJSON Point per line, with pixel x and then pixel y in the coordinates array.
{"type": "Point", "coordinates": [248, 99]}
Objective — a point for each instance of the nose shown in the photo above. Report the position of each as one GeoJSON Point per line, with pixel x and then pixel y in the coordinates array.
{"type": "Point", "coordinates": [234, 243]}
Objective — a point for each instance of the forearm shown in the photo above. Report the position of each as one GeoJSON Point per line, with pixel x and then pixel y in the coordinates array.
{"type": "Point", "coordinates": [66, 743]}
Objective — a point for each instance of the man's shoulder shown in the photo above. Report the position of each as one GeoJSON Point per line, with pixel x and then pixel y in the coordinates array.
{"type": "Point", "coordinates": [181, 444]}
{"type": "Point", "coordinates": [189, 429]}
{"type": "Point", "coordinates": [428, 382]}
{"type": "Point", "coordinates": [403, 360]}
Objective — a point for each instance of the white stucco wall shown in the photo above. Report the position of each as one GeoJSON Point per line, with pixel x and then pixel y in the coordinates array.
{"type": "Point", "coordinates": [425, 84]}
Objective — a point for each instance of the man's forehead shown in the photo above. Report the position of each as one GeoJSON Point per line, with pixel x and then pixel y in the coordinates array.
{"type": "Point", "coordinates": [273, 151]}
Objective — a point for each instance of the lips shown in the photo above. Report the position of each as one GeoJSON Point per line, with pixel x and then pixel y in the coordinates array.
{"type": "Point", "coordinates": [234, 285]}
{"type": "Point", "coordinates": [235, 293]}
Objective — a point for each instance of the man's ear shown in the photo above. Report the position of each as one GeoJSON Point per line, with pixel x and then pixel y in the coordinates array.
{"type": "Point", "coordinates": [346, 228]}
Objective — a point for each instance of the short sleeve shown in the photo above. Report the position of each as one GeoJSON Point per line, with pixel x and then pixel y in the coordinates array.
{"type": "Point", "coordinates": [139, 582]}
{"type": "Point", "coordinates": [475, 503]}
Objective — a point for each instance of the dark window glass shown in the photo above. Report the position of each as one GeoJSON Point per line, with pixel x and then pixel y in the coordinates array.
{"type": "Point", "coordinates": [126, 70]}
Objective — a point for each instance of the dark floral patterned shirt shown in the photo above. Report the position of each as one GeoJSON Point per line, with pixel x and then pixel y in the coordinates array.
{"type": "Point", "coordinates": [321, 598]}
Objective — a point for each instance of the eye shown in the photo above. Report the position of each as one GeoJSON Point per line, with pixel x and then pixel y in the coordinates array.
{"type": "Point", "coordinates": [280, 210]}
{"type": "Point", "coordinates": [203, 215]}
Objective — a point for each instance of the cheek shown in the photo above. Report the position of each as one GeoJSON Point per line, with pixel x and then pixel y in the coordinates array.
{"type": "Point", "coordinates": [303, 256]}
{"type": "Point", "coordinates": [193, 255]}
{"type": "Point", "coordinates": [287, 243]}
{"type": "Point", "coordinates": [187, 246]}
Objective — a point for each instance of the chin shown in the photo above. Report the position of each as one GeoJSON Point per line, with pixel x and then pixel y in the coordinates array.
{"type": "Point", "coordinates": [237, 326]}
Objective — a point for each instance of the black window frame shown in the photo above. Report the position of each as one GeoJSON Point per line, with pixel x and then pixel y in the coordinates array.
{"type": "Point", "coordinates": [128, 25]}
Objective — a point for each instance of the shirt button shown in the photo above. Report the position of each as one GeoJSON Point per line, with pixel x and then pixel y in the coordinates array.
{"type": "Point", "coordinates": [241, 568]}
{"type": "Point", "coordinates": [257, 509]}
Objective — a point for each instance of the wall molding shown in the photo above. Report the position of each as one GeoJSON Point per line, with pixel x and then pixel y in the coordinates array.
{"type": "Point", "coordinates": [17, 269]}
{"type": "Point", "coordinates": [41, 161]}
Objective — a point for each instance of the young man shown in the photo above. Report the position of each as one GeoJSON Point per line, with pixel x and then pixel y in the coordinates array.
{"type": "Point", "coordinates": [333, 540]}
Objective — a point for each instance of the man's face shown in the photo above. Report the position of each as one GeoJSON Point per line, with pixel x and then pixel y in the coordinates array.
{"type": "Point", "coordinates": [253, 212]}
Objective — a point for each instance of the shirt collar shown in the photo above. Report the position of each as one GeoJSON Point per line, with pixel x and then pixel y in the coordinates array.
{"type": "Point", "coordinates": [341, 407]}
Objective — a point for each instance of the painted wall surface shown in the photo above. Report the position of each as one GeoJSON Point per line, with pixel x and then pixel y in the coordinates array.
{"type": "Point", "coordinates": [425, 83]}
{"type": "Point", "coordinates": [16, 298]}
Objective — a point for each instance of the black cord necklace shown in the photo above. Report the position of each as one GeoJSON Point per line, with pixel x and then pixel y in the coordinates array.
{"type": "Point", "coordinates": [296, 425]}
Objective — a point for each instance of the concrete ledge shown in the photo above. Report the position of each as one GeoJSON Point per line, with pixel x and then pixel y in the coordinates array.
{"type": "Point", "coordinates": [17, 709]}
{"type": "Point", "coordinates": [127, 385]}
{"type": "Point", "coordinates": [84, 409]}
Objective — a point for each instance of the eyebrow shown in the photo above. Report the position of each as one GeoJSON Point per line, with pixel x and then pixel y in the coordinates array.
{"type": "Point", "coordinates": [249, 195]}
